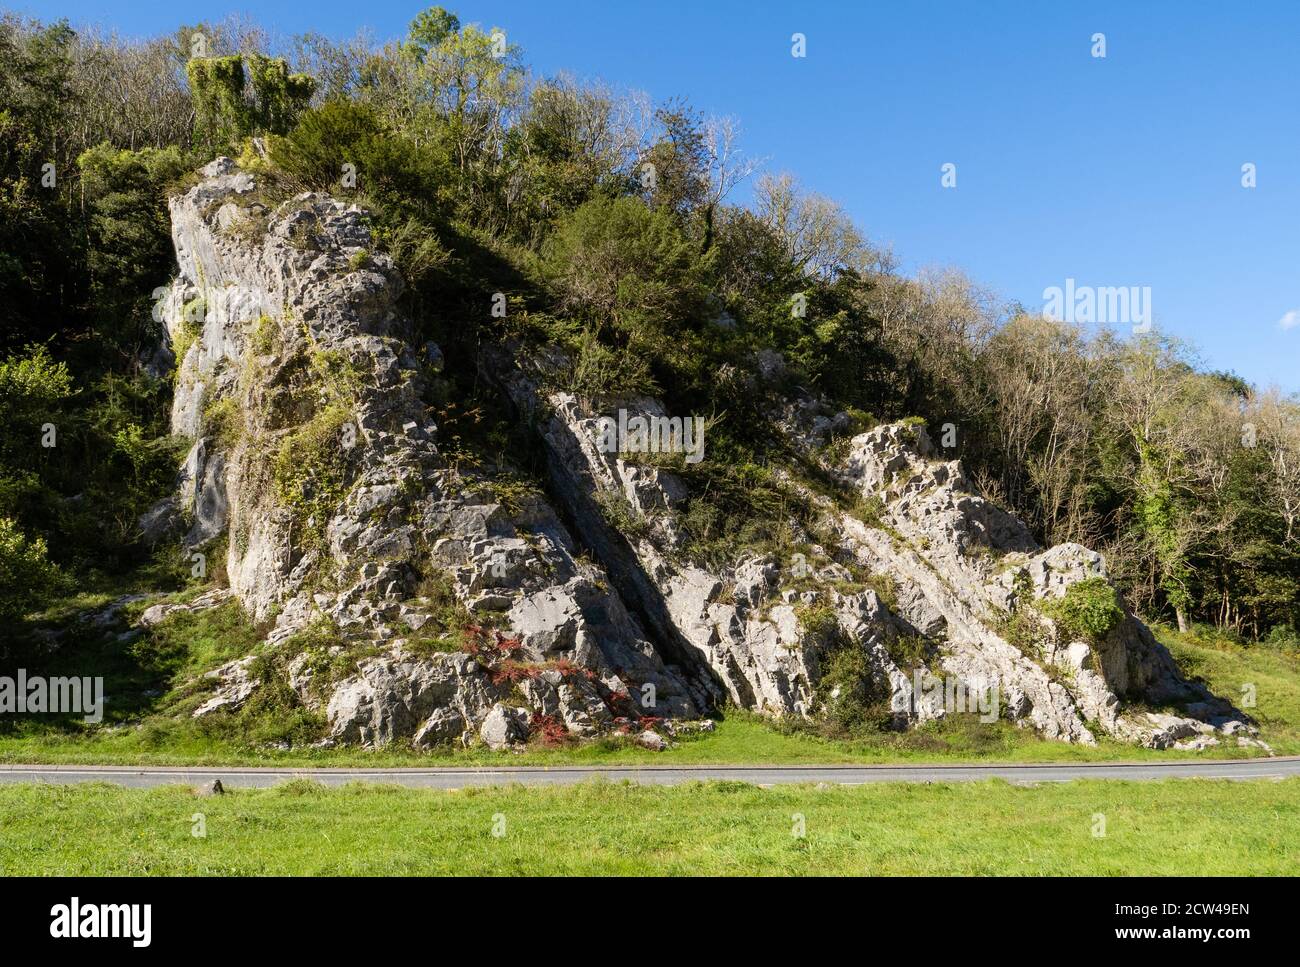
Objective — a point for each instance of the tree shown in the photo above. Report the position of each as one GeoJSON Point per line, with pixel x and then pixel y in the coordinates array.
{"type": "Point", "coordinates": [227, 110]}
{"type": "Point", "coordinates": [130, 94]}
{"type": "Point", "coordinates": [33, 390]}
{"type": "Point", "coordinates": [1278, 430]}
{"type": "Point", "coordinates": [429, 29]}
{"type": "Point", "coordinates": [1159, 404]}
{"type": "Point", "coordinates": [1039, 378]}
{"type": "Point", "coordinates": [464, 84]}
{"type": "Point", "coordinates": [726, 166]}
{"type": "Point", "coordinates": [628, 267]}
{"type": "Point", "coordinates": [40, 249]}
{"type": "Point", "coordinates": [678, 160]}
{"type": "Point", "coordinates": [129, 232]}
{"type": "Point", "coordinates": [571, 142]}
{"type": "Point", "coordinates": [27, 578]}
{"type": "Point", "coordinates": [820, 238]}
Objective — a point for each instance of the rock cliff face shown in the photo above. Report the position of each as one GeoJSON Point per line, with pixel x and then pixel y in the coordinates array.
{"type": "Point", "coordinates": [966, 569]}
{"type": "Point", "coordinates": [316, 461]}
{"type": "Point", "coordinates": [316, 472]}
{"type": "Point", "coordinates": [742, 624]}
{"type": "Point", "coordinates": [960, 569]}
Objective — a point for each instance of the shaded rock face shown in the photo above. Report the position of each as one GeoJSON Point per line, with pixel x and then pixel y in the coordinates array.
{"type": "Point", "coordinates": [316, 459]}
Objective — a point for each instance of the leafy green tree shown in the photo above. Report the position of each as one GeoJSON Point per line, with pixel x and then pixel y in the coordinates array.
{"type": "Point", "coordinates": [429, 29]}
{"type": "Point", "coordinates": [129, 231]}
{"type": "Point", "coordinates": [679, 158]}
{"type": "Point", "coordinates": [629, 268]}
{"type": "Point", "coordinates": [33, 391]}
{"type": "Point", "coordinates": [464, 85]}
{"type": "Point", "coordinates": [40, 248]}
{"type": "Point", "coordinates": [34, 394]}
{"type": "Point", "coordinates": [569, 145]}
{"type": "Point", "coordinates": [27, 578]}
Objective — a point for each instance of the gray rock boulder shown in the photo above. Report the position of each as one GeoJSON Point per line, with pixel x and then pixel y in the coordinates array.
{"type": "Point", "coordinates": [234, 685]}
{"type": "Point", "coordinates": [504, 726]}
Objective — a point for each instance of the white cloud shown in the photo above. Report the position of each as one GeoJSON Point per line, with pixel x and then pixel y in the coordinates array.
{"type": "Point", "coordinates": [1290, 320]}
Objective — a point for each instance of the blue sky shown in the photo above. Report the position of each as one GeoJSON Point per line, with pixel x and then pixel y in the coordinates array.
{"type": "Point", "coordinates": [1117, 171]}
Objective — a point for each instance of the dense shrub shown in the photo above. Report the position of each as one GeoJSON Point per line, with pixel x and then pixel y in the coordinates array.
{"type": "Point", "coordinates": [27, 578]}
{"type": "Point", "coordinates": [852, 702]}
{"type": "Point", "coordinates": [1089, 610]}
{"type": "Point", "coordinates": [627, 267]}
{"type": "Point", "coordinates": [405, 179]}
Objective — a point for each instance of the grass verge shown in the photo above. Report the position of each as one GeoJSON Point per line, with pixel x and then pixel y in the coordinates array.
{"type": "Point", "coordinates": [740, 738]}
{"type": "Point", "coordinates": [1246, 673]}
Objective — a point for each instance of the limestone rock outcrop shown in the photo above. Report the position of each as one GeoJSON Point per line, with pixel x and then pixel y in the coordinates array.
{"type": "Point", "coordinates": [749, 626]}
{"type": "Point", "coordinates": [965, 568]}
{"type": "Point", "coordinates": [315, 471]}
{"type": "Point", "coordinates": [958, 567]}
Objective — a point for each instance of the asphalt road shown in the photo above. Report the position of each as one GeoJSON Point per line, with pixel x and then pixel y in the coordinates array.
{"type": "Point", "coordinates": [455, 777]}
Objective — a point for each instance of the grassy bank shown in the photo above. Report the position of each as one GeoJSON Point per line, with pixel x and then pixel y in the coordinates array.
{"type": "Point", "coordinates": [1240, 672]}
{"type": "Point", "coordinates": [741, 737]}
{"type": "Point", "coordinates": [1175, 827]}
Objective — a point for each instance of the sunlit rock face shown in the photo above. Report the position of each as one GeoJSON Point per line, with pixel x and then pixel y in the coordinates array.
{"type": "Point", "coordinates": [316, 464]}
{"type": "Point", "coordinates": [315, 470]}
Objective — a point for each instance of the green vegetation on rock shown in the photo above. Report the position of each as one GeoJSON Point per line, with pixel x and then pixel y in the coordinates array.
{"type": "Point", "coordinates": [1089, 610]}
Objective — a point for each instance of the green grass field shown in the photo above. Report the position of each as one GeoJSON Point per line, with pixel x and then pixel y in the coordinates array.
{"type": "Point", "coordinates": [1234, 671]}
{"type": "Point", "coordinates": [1191, 827]}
